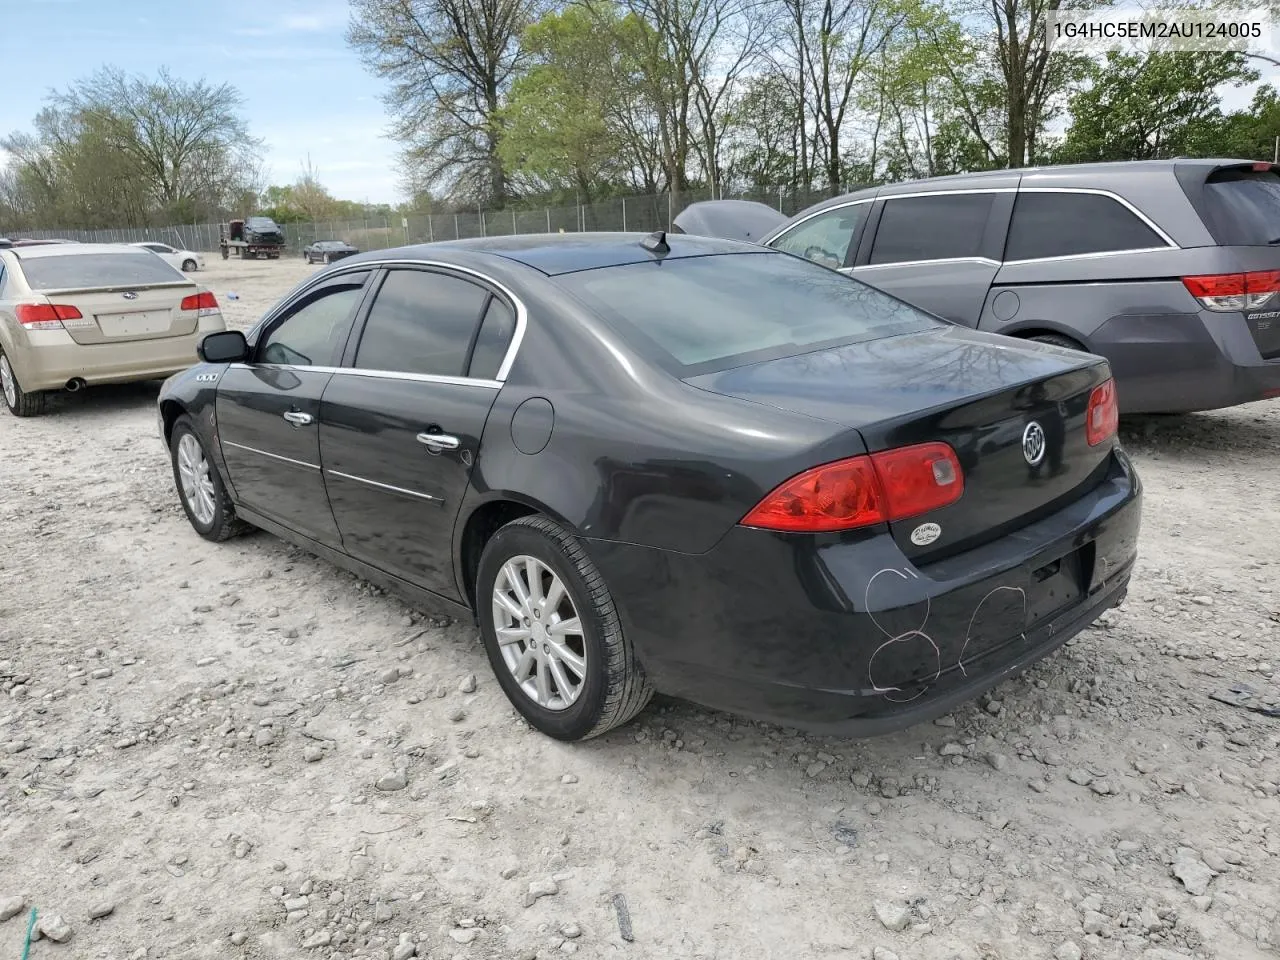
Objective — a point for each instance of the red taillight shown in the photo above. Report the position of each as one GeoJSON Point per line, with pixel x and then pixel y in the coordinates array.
{"type": "Point", "coordinates": [1262, 167]}
{"type": "Point", "coordinates": [45, 316]}
{"type": "Point", "coordinates": [1103, 416]}
{"type": "Point", "coordinates": [205, 302]}
{"type": "Point", "coordinates": [861, 491]}
{"type": "Point", "coordinates": [1232, 292]}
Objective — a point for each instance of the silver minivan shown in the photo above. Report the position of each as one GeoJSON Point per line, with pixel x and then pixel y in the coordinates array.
{"type": "Point", "coordinates": [1168, 268]}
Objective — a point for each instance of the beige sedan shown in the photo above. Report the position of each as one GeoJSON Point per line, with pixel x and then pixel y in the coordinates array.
{"type": "Point", "coordinates": [77, 314]}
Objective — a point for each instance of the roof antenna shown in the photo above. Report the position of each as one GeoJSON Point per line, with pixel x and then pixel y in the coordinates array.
{"type": "Point", "coordinates": [656, 242]}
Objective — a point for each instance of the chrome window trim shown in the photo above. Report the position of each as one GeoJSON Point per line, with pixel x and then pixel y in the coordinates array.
{"type": "Point", "coordinates": [769, 241]}
{"type": "Point", "coordinates": [915, 263]}
{"type": "Point", "coordinates": [385, 486]}
{"type": "Point", "coordinates": [504, 369]}
{"type": "Point", "coordinates": [1089, 256]}
{"type": "Point", "coordinates": [273, 456]}
{"type": "Point", "coordinates": [1170, 244]}
{"type": "Point", "coordinates": [374, 374]}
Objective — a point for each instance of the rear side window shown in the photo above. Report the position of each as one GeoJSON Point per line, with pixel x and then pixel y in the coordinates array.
{"type": "Point", "coordinates": [421, 322]}
{"type": "Point", "coordinates": [694, 315]}
{"type": "Point", "coordinates": [1071, 224]}
{"type": "Point", "coordinates": [495, 334]}
{"type": "Point", "coordinates": [940, 227]}
{"type": "Point", "coordinates": [1242, 207]}
{"type": "Point", "coordinates": [87, 271]}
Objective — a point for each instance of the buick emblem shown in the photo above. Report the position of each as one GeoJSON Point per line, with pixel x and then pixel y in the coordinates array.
{"type": "Point", "coordinates": [1033, 443]}
{"type": "Point", "coordinates": [129, 295]}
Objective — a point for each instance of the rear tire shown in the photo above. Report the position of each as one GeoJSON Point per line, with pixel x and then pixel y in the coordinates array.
{"type": "Point", "coordinates": [189, 266]}
{"type": "Point", "coordinates": [200, 488]}
{"type": "Point", "coordinates": [1058, 340]}
{"type": "Point", "coordinates": [612, 687]}
{"type": "Point", "coordinates": [20, 402]}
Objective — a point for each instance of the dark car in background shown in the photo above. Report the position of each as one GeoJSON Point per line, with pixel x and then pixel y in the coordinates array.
{"type": "Point", "coordinates": [1170, 269]}
{"type": "Point", "coordinates": [673, 463]}
{"type": "Point", "coordinates": [262, 230]}
{"type": "Point", "coordinates": [327, 251]}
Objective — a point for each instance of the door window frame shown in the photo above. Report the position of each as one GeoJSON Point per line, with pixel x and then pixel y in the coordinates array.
{"type": "Point", "coordinates": [304, 299]}
{"type": "Point", "coordinates": [855, 239]}
{"type": "Point", "coordinates": [488, 286]}
{"type": "Point", "coordinates": [990, 247]}
{"type": "Point", "coordinates": [378, 268]}
{"type": "Point", "coordinates": [1155, 228]}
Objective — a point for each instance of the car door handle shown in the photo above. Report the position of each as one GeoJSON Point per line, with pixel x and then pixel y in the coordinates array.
{"type": "Point", "coordinates": [297, 418]}
{"type": "Point", "coordinates": [435, 442]}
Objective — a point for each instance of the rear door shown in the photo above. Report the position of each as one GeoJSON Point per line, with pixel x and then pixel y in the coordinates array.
{"type": "Point", "coordinates": [401, 422]}
{"type": "Point", "coordinates": [121, 296]}
{"type": "Point", "coordinates": [268, 411]}
{"type": "Point", "coordinates": [939, 251]}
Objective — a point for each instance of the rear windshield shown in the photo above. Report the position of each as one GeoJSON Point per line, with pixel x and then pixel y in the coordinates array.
{"type": "Point", "coordinates": [698, 314]}
{"type": "Point", "coordinates": [87, 271]}
{"type": "Point", "coordinates": [1242, 207]}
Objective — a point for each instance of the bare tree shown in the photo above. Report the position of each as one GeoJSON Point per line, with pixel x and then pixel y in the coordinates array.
{"type": "Point", "coordinates": [831, 45]}
{"type": "Point", "coordinates": [450, 63]}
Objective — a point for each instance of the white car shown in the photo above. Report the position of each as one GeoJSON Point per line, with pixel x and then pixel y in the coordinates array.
{"type": "Point", "coordinates": [187, 260]}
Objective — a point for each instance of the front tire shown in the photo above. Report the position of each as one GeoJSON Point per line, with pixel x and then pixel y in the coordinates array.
{"type": "Point", "coordinates": [553, 635]}
{"type": "Point", "coordinates": [189, 266]}
{"type": "Point", "coordinates": [200, 488]}
{"type": "Point", "coordinates": [20, 402]}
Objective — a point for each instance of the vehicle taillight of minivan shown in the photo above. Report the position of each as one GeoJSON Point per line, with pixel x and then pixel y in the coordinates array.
{"type": "Point", "coordinates": [1233, 292]}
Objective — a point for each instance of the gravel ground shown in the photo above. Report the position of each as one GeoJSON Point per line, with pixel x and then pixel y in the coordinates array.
{"type": "Point", "coordinates": [239, 751]}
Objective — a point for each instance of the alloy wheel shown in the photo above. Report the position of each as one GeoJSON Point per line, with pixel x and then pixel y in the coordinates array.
{"type": "Point", "coordinates": [197, 479]}
{"type": "Point", "coordinates": [7, 382]}
{"type": "Point", "coordinates": [539, 633]}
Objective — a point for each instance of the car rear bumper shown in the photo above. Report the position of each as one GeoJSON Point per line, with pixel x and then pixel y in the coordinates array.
{"type": "Point", "coordinates": [51, 358]}
{"type": "Point", "coordinates": [843, 635]}
{"type": "Point", "coordinates": [1180, 363]}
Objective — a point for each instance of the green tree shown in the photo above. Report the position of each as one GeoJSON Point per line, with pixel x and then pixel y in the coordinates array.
{"type": "Point", "coordinates": [557, 122]}
{"type": "Point", "coordinates": [1142, 107]}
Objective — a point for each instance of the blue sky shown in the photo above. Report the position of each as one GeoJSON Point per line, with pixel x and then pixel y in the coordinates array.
{"type": "Point", "coordinates": [305, 90]}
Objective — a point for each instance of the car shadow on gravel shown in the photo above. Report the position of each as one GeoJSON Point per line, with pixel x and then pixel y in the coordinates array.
{"type": "Point", "coordinates": [1251, 432]}
{"type": "Point", "coordinates": [95, 401]}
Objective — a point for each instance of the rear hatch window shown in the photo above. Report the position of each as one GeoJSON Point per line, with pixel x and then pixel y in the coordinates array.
{"type": "Point", "coordinates": [695, 315]}
{"type": "Point", "coordinates": [1242, 206]}
{"type": "Point", "coordinates": [92, 271]}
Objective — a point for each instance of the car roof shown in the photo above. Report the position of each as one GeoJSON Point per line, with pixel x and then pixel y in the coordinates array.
{"type": "Point", "coordinates": [557, 253]}
{"type": "Point", "coordinates": [1063, 175]}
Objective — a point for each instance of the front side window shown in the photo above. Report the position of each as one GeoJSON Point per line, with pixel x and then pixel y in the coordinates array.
{"type": "Point", "coordinates": [314, 333]}
{"type": "Point", "coordinates": [696, 315]}
{"type": "Point", "coordinates": [423, 323]}
{"type": "Point", "coordinates": [941, 227]}
{"type": "Point", "coordinates": [824, 238]}
{"type": "Point", "coordinates": [1073, 224]}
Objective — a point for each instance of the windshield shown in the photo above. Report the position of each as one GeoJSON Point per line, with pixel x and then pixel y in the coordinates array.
{"type": "Point", "coordinates": [698, 314]}
{"type": "Point", "coordinates": [1243, 206]}
{"type": "Point", "coordinates": [89, 271]}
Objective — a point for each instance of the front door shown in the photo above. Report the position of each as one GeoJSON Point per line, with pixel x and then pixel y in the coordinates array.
{"type": "Point", "coordinates": [268, 410]}
{"type": "Point", "coordinates": [401, 422]}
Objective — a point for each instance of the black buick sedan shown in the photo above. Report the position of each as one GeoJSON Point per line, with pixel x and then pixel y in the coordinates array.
{"type": "Point", "coordinates": [672, 463]}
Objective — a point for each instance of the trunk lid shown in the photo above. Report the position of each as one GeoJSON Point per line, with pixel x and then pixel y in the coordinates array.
{"type": "Point", "coordinates": [115, 315]}
{"type": "Point", "coordinates": [977, 392]}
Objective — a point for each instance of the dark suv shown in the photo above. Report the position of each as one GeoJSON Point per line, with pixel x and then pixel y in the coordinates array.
{"type": "Point", "coordinates": [1170, 269]}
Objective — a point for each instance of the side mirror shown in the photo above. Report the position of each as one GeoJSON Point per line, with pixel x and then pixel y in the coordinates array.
{"type": "Point", "coordinates": [226, 346]}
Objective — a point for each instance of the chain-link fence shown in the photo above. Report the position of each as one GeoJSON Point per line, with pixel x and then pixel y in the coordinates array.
{"type": "Point", "coordinates": [642, 214]}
